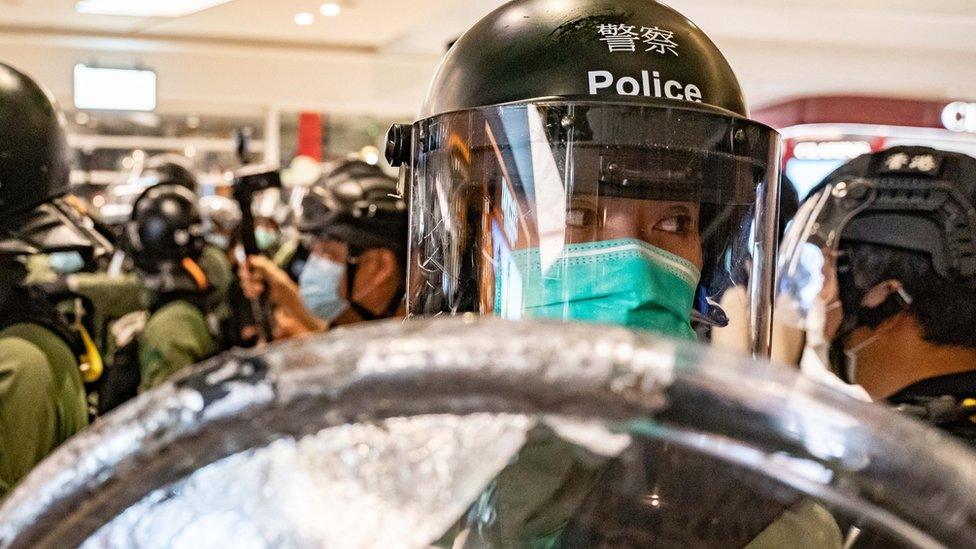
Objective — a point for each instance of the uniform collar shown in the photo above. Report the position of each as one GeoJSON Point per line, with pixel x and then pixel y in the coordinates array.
{"type": "Point", "coordinates": [960, 385]}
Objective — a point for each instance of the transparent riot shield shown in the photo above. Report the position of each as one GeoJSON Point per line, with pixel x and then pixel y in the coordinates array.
{"type": "Point", "coordinates": [471, 432]}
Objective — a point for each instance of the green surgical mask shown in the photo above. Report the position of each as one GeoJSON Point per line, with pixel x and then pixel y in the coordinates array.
{"type": "Point", "coordinates": [626, 282]}
{"type": "Point", "coordinates": [266, 239]}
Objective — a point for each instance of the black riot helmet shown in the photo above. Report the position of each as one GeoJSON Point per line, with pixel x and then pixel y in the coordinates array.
{"type": "Point", "coordinates": [165, 228]}
{"type": "Point", "coordinates": [169, 169]}
{"type": "Point", "coordinates": [356, 203]}
{"type": "Point", "coordinates": [565, 146]}
{"type": "Point", "coordinates": [34, 154]}
{"type": "Point", "coordinates": [906, 213]}
{"type": "Point", "coordinates": [917, 199]}
{"type": "Point", "coordinates": [34, 174]}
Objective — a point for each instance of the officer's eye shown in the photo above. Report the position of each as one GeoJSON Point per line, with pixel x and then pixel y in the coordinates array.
{"type": "Point", "coordinates": [674, 224]}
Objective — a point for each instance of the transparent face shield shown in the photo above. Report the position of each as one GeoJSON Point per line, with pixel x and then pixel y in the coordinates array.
{"type": "Point", "coordinates": [807, 274]}
{"type": "Point", "coordinates": [626, 215]}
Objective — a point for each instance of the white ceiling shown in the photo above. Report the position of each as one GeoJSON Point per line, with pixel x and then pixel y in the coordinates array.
{"type": "Point", "coordinates": [363, 23]}
{"type": "Point", "coordinates": [392, 24]}
{"type": "Point", "coordinates": [779, 47]}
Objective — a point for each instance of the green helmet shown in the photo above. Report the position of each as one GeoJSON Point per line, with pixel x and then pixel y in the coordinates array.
{"type": "Point", "coordinates": [557, 136]}
{"type": "Point", "coordinates": [34, 154]}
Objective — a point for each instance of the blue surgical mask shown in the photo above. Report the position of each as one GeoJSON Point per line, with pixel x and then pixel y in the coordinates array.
{"type": "Point", "coordinates": [319, 287]}
{"type": "Point", "coordinates": [66, 262]}
{"type": "Point", "coordinates": [219, 240]}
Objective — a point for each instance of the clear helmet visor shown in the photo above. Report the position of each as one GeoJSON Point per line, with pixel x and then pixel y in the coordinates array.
{"type": "Point", "coordinates": [627, 215]}
{"type": "Point", "coordinates": [815, 266]}
{"type": "Point", "coordinates": [808, 254]}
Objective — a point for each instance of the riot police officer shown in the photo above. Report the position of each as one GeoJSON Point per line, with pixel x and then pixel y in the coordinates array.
{"type": "Point", "coordinates": [166, 240]}
{"type": "Point", "coordinates": [356, 224]}
{"type": "Point", "coordinates": [593, 161]}
{"type": "Point", "coordinates": [588, 161]}
{"type": "Point", "coordinates": [879, 269]}
{"type": "Point", "coordinates": [42, 354]}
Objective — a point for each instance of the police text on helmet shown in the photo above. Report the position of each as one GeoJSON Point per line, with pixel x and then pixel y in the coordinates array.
{"type": "Point", "coordinates": [649, 84]}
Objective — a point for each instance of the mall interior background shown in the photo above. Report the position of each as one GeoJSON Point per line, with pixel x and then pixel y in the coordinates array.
{"type": "Point", "coordinates": [326, 80]}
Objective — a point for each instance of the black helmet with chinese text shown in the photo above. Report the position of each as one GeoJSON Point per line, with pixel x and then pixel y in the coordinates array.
{"type": "Point", "coordinates": [588, 160]}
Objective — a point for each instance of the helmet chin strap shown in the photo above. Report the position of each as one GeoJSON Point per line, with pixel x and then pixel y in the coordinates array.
{"type": "Point", "coordinates": [186, 276]}
{"type": "Point", "coordinates": [871, 317]}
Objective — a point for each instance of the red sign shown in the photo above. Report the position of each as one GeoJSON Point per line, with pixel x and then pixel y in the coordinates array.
{"type": "Point", "coordinates": [854, 109]}
{"type": "Point", "coordinates": [310, 135]}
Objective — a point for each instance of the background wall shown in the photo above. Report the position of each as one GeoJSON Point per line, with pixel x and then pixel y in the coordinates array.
{"type": "Point", "coordinates": [377, 57]}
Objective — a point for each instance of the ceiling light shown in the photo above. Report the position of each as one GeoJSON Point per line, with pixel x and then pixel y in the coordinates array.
{"type": "Point", "coordinates": [145, 8]}
{"type": "Point", "coordinates": [304, 18]}
{"type": "Point", "coordinates": [330, 9]}
{"type": "Point", "coordinates": [370, 155]}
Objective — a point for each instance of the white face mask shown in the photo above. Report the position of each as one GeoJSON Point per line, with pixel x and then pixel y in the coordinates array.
{"type": "Point", "coordinates": [851, 355]}
{"type": "Point", "coordinates": [66, 262]}
{"type": "Point", "coordinates": [850, 364]}
{"type": "Point", "coordinates": [822, 321]}
{"type": "Point", "coordinates": [815, 362]}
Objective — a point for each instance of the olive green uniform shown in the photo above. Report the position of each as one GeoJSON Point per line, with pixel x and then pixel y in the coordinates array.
{"type": "Point", "coordinates": [175, 336]}
{"type": "Point", "coordinates": [113, 296]}
{"type": "Point", "coordinates": [806, 525]}
{"type": "Point", "coordinates": [42, 398]}
{"type": "Point", "coordinates": [179, 334]}
{"type": "Point", "coordinates": [220, 275]}
{"type": "Point", "coordinates": [534, 499]}
{"type": "Point", "coordinates": [285, 253]}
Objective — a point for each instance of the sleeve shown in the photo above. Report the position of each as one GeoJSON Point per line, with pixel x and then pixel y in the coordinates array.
{"type": "Point", "coordinates": [115, 297]}
{"type": "Point", "coordinates": [174, 338]}
{"type": "Point", "coordinates": [805, 525]}
{"type": "Point", "coordinates": [28, 414]}
{"type": "Point", "coordinates": [218, 270]}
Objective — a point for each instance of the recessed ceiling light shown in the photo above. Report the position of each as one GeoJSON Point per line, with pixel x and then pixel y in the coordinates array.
{"type": "Point", "coordinates": [304, 18]}
{"type": "Point", "coordinates": [330, 9]}
{"type": "Point", "coordinates": [145, 8]}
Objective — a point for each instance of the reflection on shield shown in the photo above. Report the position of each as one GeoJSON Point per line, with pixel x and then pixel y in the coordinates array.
{"type": "Point", "coordinates": [489, 433]}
